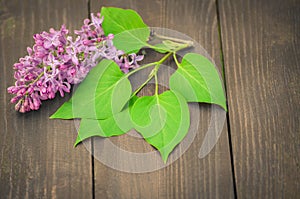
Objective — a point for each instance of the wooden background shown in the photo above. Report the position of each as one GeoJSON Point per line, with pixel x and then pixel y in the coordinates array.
{"type": "Point", "coordinates": [255, 44]}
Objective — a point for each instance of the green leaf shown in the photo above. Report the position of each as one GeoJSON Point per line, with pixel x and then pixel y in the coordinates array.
{"type": "Point", "coordinates": [168, 114]}
{"type": "Point", "coordinates": [161, 48]}
{"type": "Point", "coordinates": [130, 32]}
{"type": "Point", "coordinates": [104, 92]}
{"type": "Point", "coordinates": [64, 112]}
{"type": "Point", "coordinates": [198, 81]}
{"type": "Point", "coordinates": [167, 46]}
{"type": "Point", "coordinates": [117, 124]}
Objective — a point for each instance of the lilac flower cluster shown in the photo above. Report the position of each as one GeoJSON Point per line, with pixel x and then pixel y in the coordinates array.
{"type": "Point", "coordinates": [57, 60]}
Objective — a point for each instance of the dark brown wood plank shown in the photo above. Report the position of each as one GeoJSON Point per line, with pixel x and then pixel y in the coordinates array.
{"type": "Point", "coordinates": [37, 157]}
{"type": "Point", "coordinates": [189, 176]}
{"type": "Point", "coordinates": [261, 52]}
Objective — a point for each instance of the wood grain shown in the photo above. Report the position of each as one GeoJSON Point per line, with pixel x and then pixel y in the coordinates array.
{"type": "Point", "coordinates": [261, 53]}
{"type": "Point", "coordinates": [260, 42]}
{"type": "Point", "coordinates": [189, 176]}
{"type": "Point", "coordinates": [37, 157]}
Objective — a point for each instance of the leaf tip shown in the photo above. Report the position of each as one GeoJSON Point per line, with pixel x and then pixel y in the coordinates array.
{"type": "Point", "coordinates": [225, 108]}
{"type": "Point", "coordinates": [164, 156]}
{"type": "Point", "coordinates": [165, 160]}
{"type": "Point", "coordinates": [224, 105]}
{"type": "Point", "coordinates": [52, 116]}
{"type": "Point", "coordinates": [78, 140]}
{"type": "Point", "coordinates": [75, 144]}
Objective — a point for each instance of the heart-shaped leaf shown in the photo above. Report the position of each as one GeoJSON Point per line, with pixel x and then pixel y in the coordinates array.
{"type": "Point", "coordinates": [117, 124]}
{"type": "Point", "coordinates": [130, 32]}
{"type": "Point", "coordinates": [103, 93]}
{"type": "Point", "coordinates": [198, 81]}
{"type": "Point", "coordinates": [168, 113]}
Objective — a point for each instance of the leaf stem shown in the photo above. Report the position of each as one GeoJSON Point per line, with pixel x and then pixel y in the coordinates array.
{"type": "Point", "coordinates": [153, 73]}
{"type": "Point", "coordinates": [173, 39]}
{"type": "Point", "coordinates": [156, 83]}
{"type": "Point", "coordinates": [140, 68]}
{"type": "Point", "coordinates": [175, 59]}
{"type": "Point", "coordinates": [143, 85]}
{"type": "Point", "coordinates": [150, 64]}
{"type": "Point", "coordinates": [164, 58]}
{"type": "Point", "coordinates": [155, 70]}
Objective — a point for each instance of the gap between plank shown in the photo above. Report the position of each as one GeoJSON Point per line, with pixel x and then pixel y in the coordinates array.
{"type": "Point", "coordinates": [89, 8]}
{"type": "Point", "coordinates": [227, 114]}
{"type": "Point", "coordinates": [93, 168]}
{"type": "Point", "coordinates": [92, 139]}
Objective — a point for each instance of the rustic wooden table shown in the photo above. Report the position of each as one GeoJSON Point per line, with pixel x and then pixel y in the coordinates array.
{"type": "Point", "coordinates": [255, 43]}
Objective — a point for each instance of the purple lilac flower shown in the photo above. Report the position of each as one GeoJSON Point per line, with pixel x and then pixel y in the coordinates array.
{"type": "Point", "coordinates": [38, 75]}
{"type": "Point", "coordinates": [98, 46]}
{"type": "Point", "coordinates": [127, 62]}
{"type": "Point", "coordinates": [57, 60]}
{"type": "Point", "coordinates": [93, 45]}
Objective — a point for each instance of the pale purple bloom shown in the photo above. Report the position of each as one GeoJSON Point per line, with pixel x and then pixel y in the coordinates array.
{"type": "Point", "coordinates": [127, 62]}
{"type": "Point", "coordinates": [57, 60]}
{"type": "Point", "coordinates": [38, 75]}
